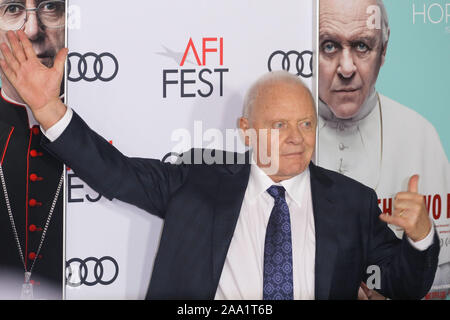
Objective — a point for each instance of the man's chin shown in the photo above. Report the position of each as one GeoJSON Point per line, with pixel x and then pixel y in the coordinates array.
{"type": "Point", "coordinates": [293, 167]}
{"type": "Point", "coordinates": [345, 110]}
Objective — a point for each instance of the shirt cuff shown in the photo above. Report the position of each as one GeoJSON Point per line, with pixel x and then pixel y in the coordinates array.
{"type": "Point", "coordinates": [425, 243]}
{"type": "Point", "coordinates": [58, 128]}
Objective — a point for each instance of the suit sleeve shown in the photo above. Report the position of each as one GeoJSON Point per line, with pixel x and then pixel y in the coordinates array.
{"type": "Point", "coordinates": [406, 273]}
{"type": "Point", "coordinates": [145, 183]}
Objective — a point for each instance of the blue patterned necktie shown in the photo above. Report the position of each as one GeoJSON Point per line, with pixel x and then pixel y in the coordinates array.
{"type": "Point", "coordinates": [278, 280]}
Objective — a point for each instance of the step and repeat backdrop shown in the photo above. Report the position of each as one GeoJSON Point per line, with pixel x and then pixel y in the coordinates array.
{"type": "Point", "coordinates": [143, 75]}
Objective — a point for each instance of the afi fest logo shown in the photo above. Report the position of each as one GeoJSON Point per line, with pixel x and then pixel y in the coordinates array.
{"type": "Point", "coordinates": [200, 73]}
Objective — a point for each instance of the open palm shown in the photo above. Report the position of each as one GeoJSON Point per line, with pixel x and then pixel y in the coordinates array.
{"type": "Point", "coordinates": [37, 84]}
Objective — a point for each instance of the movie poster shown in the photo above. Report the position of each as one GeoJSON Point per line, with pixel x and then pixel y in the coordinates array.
{"type": "Point", "coordinates": [383, 103]}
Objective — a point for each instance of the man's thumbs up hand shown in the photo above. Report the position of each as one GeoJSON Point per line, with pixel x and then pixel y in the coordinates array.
{"type": "Point", "coordinates": [410, 212]}
{"type": "Point", "coordinates": [413, 184]}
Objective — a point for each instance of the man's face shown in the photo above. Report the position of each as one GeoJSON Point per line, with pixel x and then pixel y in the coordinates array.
{"type": "Point", "coordinates": [351, 55]}
{"type": "Point", "coordinates": [289, 108]}
{"type": "Point", "coordinates": [46, 41]}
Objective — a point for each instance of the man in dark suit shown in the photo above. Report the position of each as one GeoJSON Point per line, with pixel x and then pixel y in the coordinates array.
{"type": "Point", "coordinates": [282, 229]}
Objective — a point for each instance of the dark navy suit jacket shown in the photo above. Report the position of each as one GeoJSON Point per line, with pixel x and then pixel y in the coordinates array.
{"type": "Point", "coordinates": [200, 205]}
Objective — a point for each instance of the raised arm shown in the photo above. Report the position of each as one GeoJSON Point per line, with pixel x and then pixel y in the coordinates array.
{"type": "Point", "coordinates": [146, 183]}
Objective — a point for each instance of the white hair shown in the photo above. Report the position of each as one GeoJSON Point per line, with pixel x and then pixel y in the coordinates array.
{"type": "Point", "coordinates": [272, 77]}
{"type": "Point", "coordinates": [384, 22]}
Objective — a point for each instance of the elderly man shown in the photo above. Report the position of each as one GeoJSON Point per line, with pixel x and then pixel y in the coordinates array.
{"type": "Point", "coordinates": [231, 231]}
{"type": "Point", "coordinates": [31, 205]}
{"type": "Point", "coordinates": [364, 134]}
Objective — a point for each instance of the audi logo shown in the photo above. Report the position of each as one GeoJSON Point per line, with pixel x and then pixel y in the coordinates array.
{"type": "Point", "coordinates": [91, 271]}
{"type": "Point", "coordinates": [287, 62]}
{"type": "Point", "coordinates": [94, 62]}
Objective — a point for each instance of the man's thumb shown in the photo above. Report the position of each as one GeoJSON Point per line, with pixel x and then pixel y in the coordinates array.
{"type": "Point", "coordinates": [413, 184]}
{"type": "Point", "coordinates": [60, 59]}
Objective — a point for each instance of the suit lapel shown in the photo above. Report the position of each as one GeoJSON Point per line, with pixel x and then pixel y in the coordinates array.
{"type": "Point", "coordinates": [325, 226]}
{"type": "Point", "coordinates": [229, 200]}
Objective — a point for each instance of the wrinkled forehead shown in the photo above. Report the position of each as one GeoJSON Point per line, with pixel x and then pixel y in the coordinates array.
{"type": "Point", "coordinates": [283, 100]}
{"type": "Point", "coordinates": [347, 17]}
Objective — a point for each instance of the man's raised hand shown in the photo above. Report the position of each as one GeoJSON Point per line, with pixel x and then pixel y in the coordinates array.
{"type": "Point", "coordinates": [38, 85]}
{"type": "Point", "coordinates": [410, 212]}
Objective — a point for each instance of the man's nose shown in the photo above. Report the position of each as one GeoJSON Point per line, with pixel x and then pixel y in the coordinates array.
{"type": "Point", "coordinates": [32, 27]}
{"type": "Point", "coordinates": [295, 136]}
{"type": "Point", "coordinates": [347, 66]}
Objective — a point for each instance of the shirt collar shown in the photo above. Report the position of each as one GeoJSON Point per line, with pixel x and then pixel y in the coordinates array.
{"type": "Point", "coordinates": [259, 182]}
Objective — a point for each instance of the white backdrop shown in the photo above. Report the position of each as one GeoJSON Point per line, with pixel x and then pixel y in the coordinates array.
{"type": "Point", "coordinates": [145, 38]}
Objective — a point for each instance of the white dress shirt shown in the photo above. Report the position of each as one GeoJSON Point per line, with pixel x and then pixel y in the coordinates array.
{"type": "Point", "coordinates": [58, 128]}
{"type": "Point", "coordinates": [242, 275]}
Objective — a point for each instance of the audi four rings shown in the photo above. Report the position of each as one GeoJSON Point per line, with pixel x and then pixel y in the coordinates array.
{"type": "Point", "coordinates": [97, 67]}
{"type": "Point", "coordinates": [299, 64]}
{"type": "Point", "coordinates": [80, 268]}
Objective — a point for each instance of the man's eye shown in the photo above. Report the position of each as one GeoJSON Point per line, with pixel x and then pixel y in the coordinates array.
{"type": "Point", "coordinates": [329, 47]}
{"type": "Point", "coordinates": [278, 125]}
{"type": "Point", "coordinates": [49, 6]}
{"type": "Point", "coordinates": [13, 9]}
{"type": "Point", "coordinates": [361, 47]}
{"type": "Point", "coordinates": [306, 125]}
{"type": "Point", "coordinates": [52, 6]}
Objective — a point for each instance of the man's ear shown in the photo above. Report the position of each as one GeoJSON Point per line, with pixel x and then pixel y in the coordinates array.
{"type": "Point", "coordinates": [244, 125]}
{"type": "Point", "coordinates": [385, 45]}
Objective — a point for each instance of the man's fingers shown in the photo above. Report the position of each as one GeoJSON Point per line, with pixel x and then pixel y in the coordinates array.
{"type": "Point", "coordinates": [365, 289]}
{"type": "Point", "coordinates": [405, 204]}
{"type": "Point", "coordinates": [408, 196]}
{"type": "Point", "coordinates": [396, 221]}
{"type": "Point", "coordinates": [60, 60]}
{"type": "Point", "coordinates": [362, 294]}
{"type": "Point", "coordinates": [27, 46]}
{"type": "Point", "coordinates": [7, 70]}
{"type": "Point", "coordinates": [16, 47]}
{"type": "Point", "coordinates": [9, 57]}
{"type": "Point", "coordinates": [413, 184]}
